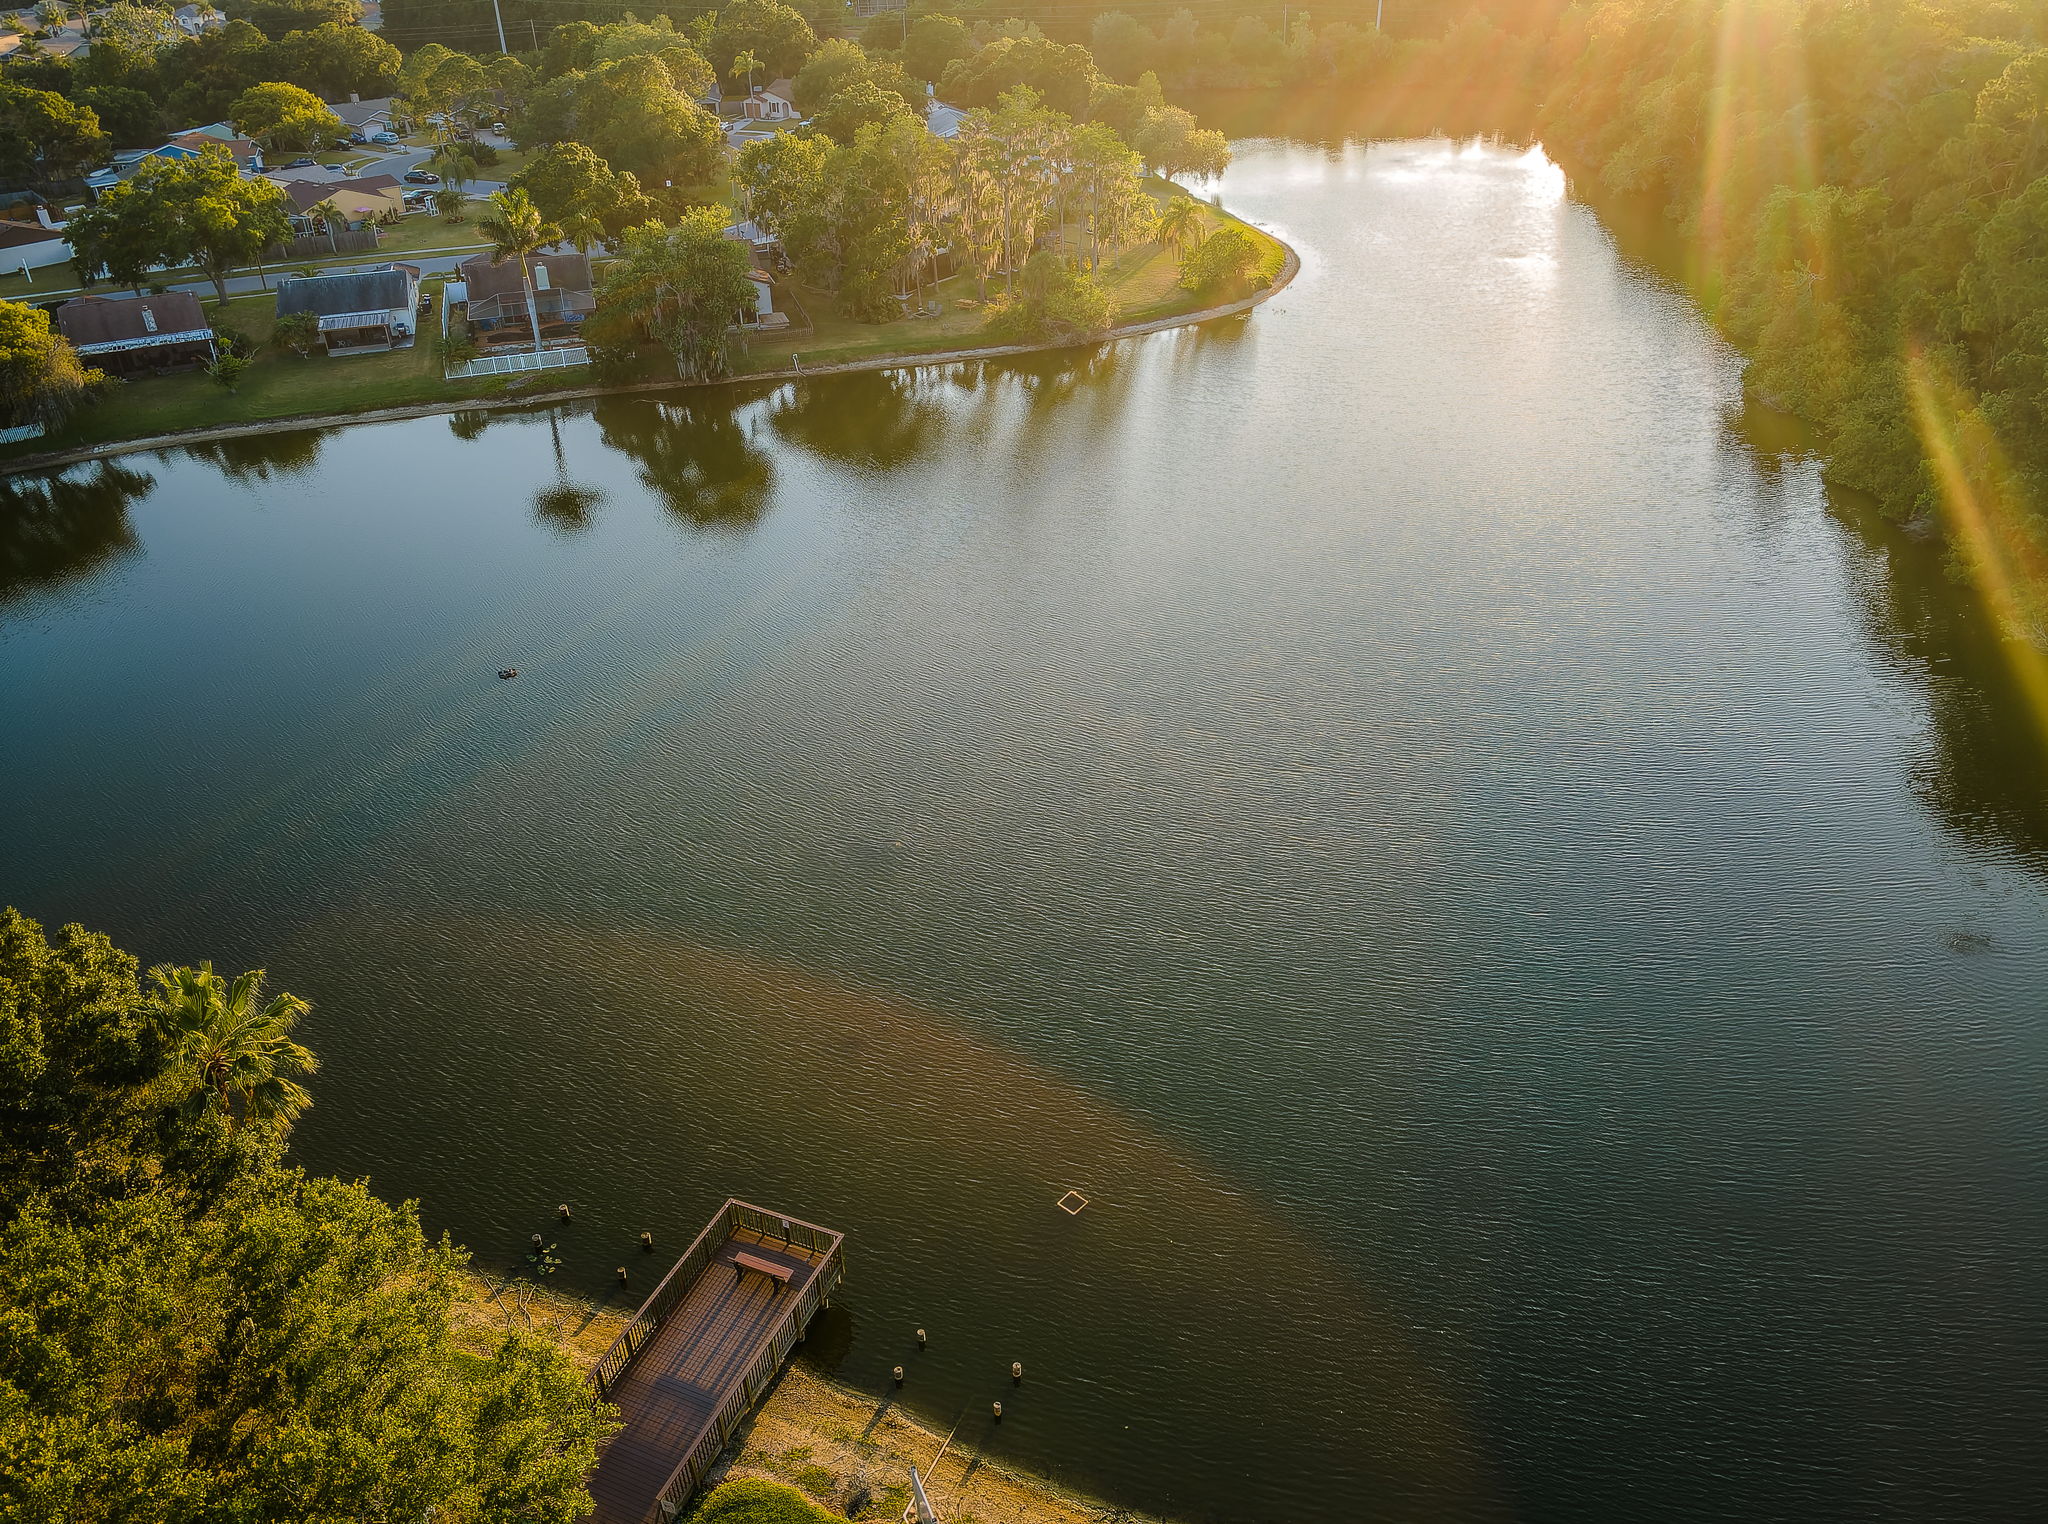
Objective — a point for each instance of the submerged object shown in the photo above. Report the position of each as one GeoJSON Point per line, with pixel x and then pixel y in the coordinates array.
{"type": "Point", "coordinates": [508, 672]}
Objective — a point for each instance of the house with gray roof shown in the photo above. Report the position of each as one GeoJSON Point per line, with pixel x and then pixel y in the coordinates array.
{"type": "Point", "coordinates": [360, 311]}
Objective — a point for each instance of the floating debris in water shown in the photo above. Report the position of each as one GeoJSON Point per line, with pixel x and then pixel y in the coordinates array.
{"type": "Point", "coordinates": [508, 672]}
{"type": "Point", "coordinates": [1072, 1202]}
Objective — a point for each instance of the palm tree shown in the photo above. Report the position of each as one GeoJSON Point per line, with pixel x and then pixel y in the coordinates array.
{"type": "Point", "coordinates": [1180, 224]}
{"type": "Point", "coordinates": [449, 202]}
{"type": "Point", "coordinates": [516, 227]}
{"type": "Point", "coordinates": [327, 213]}
{"type": "Point", "coordinates": [745, 63]}
{"type": "Point", "coordinates": [233, 1047]}
{"type": "Point", "coordinates": [582, 230]}
{"type": "Point", "coordinates": [454, 164]}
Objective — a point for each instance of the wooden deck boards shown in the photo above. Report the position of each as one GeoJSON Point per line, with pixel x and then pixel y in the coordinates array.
{"type": "Point", "coordinates": [672, 1390]}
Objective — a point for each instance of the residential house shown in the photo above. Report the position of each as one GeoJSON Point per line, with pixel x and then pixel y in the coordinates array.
{"type": "Point", "coordinates": [193, 22]}
{"type": "Point", "coordinates": [366, 117]}
{"type": "Point", "coordinates": [771, 103]}
{"type": "Point", "coordinates": [943, 121]}
{"type": "Point", "coordinates": [766, 246]}
{"type": "Point", "coordinates": [31, 246]}
{"type": "Point", "coordinates": [360, 312]}
{"type": "Point", "coordinates": [372, 199]}
{"type": "Point", "coordinates": [562, 294]}
{"type": "Point", "coordinates": [131, 335]}
{"type": "Point", "coordinates": [189, 144]}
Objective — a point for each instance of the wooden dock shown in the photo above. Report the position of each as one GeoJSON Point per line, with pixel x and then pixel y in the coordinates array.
{"type": "Point", "coordinates": [701, 1350]}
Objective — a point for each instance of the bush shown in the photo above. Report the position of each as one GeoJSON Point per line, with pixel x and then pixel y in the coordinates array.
{"type": "Point", "coordinates": [226, 370]}
{"type": "Point", "coordinates": [1052, 301]}
{"type": "Point", "coordinates": [1219, 261]}
{"type": "Point", "coordinates": [233, 341]}
{"type": "Point", "coordinates": [750, 1500]}
{"type": "Point", "coordinates": [482, 154]}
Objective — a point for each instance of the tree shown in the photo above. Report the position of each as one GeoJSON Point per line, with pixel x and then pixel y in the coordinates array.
{"type": "Point", "coordinates": [42, 380]}
{"type": "Point", "coordinates": [1222, 259]}
{"type": "Point", "coordinates": [141, 30]}
{"type": "Point", "coordinates": [683, 287]}
{"type": "Point", "coordinates": [778, 36]}
{"type": "Point", "coordinates": [454, 163]}
{"type": "Point", "coordinates": [449, 201]}
{"type": "Point", "coordinates": [297, 332]}
{"type": "Point", "coordinates": [744, 63]}
{"type": "Point", "coordinates": [516, 229]}
{"type": "Point", "coordinates": [334, 61]}
{"type": "Point", "coordinates": [932, 43]}
{"type": "Point", "coordinates": [1052, 301]}
{"type": "Point", "coordinates": [572, 185]}
{"type": "Point", "coordinates": [196, 1327]}
{"type": "Point", "coordinates": [1123, 48]}
{"type": "Point", "coordinates": [1171, 144]}
{"type": "Point", "coordinates": [181, 211]}
{"type": "Point", "coordinates": [284, 116]}
{"type": "Point", "coordinates": [280, 18]}
{"type": "Point", "coordinates": [1103, 171]}
{"type": "Point", "coordinates": [232, 1049]}
{"type": "Point", "coordinates": [1180, 224]}
{"type": "Point", "coordinates": [331, 217]}
{"type": "Point", "coordinates": [44, 137]}
{"type": "Point", "coordinates": [837, 64]}
{"type": "Point", "coordinates": [860, 104]}
{"type": "Point", "coordinates": [131, 118]}
{"type": "Point", "coordinates": [631, 113]}
{"type": "Point", "coordinates": [1062, 73]}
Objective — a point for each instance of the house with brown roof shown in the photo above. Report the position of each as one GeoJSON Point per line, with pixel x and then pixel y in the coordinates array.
{"type": "Point", "coordinates": [562, 293]}
{"type": "Point", "coordinates": [133, 335]}
{"type": "Point", "coordinates": [771, 103]}
{"type": "Point", "coordinates": [373, 198]}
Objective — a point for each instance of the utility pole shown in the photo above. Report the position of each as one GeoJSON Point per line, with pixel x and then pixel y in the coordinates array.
{"type": "Point", "coordinates": [1379, 16]}
{"type": "Point", "coordinates": [533, 31]}
{"type": "Point", "coordinates": [496, 16]}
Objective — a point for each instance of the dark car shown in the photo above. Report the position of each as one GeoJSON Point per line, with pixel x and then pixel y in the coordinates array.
{"type": "Point", "coordinates": [421, 177]}
{"type": "Point", "coordinates": [303, 161]}
{"type": "Point", "coordinates": [355, 139]}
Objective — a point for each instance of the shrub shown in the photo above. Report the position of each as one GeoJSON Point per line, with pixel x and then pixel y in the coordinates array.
{"type": "Point", "coordinates": [1052, 301]}
{"type": "Point", "coordinates": [297, 332]}
{"type": "Point", "coordinates": [1221, 260]}
{"type": "Point", "coordinates": [226, 370]}
{"type": "Point", "coordinates": [751, 1500]}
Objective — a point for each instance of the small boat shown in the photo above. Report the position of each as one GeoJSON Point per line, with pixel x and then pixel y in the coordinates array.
{"type": "Point", "coordinates": [508, 672]}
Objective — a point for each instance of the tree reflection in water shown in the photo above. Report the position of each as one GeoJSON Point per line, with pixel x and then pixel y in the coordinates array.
{"type": "Point", "coordinates": [58, 529]}
{"type": "Point", "coordinates": [694, 456]}
{"type": "Point", "coordinates": [876, 420]}
{"type": "Point", "coordinates": [562, 505]}
{"type": "Point", "coordinates": [259, 457]}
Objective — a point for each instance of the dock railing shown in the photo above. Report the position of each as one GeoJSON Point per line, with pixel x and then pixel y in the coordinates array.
{"type": "Point", "coordinates": [768, 1355]}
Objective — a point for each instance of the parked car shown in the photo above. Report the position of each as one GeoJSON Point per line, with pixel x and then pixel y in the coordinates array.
{"type": "Point", "coordinates": [498, 128]}
{"type": "Point", "coordinates": [355, 140]}
{"type": "Point", "coordinates": [303, 161]}
{"type": "Point", "coordinates": [421, 177]}
{"type": "Point", "coordinates": [386, 137]}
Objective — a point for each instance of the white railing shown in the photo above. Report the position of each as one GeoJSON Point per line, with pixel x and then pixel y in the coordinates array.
{"type": "Point", "coordinates": [525, 359]}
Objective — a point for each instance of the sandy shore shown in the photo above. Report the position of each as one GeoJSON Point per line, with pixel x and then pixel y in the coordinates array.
{"type": "Point", "coordinates": [848, 1451]}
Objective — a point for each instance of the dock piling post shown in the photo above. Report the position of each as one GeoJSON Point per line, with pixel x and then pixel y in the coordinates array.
{"type": "Point", "coordinates": [562, 1211]}
{"type": "Point", "coordinates": [1017, 1371]}
{"type": "Point", "coordinates": [898, 1374]}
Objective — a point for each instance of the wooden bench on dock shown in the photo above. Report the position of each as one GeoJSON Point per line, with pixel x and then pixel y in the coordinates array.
{"type": "Point", "coordinates": [743, 1262]}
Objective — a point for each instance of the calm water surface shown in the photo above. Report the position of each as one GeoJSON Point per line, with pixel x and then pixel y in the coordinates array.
{"type": "Point", "coordinates": [1527, 924]}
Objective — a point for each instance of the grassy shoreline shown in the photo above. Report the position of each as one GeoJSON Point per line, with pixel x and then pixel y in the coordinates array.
{"type": "Point", "coordinates": [842, 1447]}
{"type": "Point", "coordinates": [162, 411]}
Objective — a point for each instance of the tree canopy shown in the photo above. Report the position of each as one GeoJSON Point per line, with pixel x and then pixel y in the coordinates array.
{"type": "Point", "coordinates": [190, 1327]}
{"type": "Point", "coordinates": [181, 211]}
{"type": "Point", "coordinates": [683, 287]}
{"type": "Point", "coordinates": [284, 116]}
{"type": "Point", "coordinates": [42, 380]}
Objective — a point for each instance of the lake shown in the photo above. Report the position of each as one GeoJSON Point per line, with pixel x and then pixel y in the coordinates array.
{"type": "Point", "coordinates": [1524, 919]}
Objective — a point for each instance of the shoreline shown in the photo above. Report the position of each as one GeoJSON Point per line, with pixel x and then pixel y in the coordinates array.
{"type": "Point", "coordinates": [843, 1447]}
{"type": "Point", "coordinates": [913, 360]}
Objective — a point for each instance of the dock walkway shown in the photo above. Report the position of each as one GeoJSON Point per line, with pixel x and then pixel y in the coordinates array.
{"type": "Point", "coordinates": [700, 1352]}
